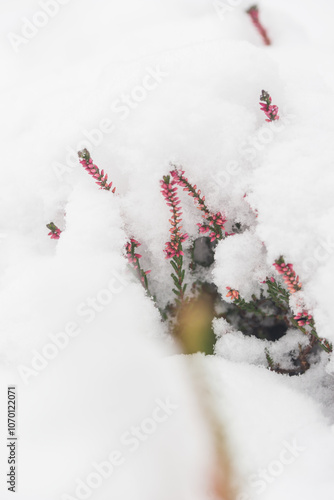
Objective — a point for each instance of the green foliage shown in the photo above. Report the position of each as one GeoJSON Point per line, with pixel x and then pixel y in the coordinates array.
{"type": "Point", "coordinates": [278, 295]}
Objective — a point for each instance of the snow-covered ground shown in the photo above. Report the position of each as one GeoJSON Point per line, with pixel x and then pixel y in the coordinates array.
{"type": "Point", "coordinates": [143, 84]}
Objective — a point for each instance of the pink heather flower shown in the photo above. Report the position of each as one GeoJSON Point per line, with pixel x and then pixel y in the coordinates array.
{"type": "Point", "coordinates": [288, 275]}
{"type": "Point", "coordinates": [212, 222]}
{"type": "Point", "coordinates": [270, 110]}
{"type": "Point", "coordinates": [303, 318]}
{"type": "Point", "coordinates": [234, 294]}
{"type": "Point", "coordinates": [254, 14]}
{"type": "Point", "coordinates": [54, 231]}
{"type": "Point", "coordinates": [100, 177]}
{"type": "Point", "coordinates": [133, 259]}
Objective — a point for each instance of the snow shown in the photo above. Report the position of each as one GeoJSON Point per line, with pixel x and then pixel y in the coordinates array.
{"type": "Point", "coordinates": [241, 264]}
{"type": "Point", "coordinates": [142, 85]}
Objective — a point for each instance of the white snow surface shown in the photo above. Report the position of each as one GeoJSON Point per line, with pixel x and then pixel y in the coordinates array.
{"type": "Point", "coordinates": [194, 72]}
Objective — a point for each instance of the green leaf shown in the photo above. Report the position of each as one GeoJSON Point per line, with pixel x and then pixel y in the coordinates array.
{"type": "Point", "coordinates": [174, 266]}
{"type": "Point", "coordinates": [174, 278]}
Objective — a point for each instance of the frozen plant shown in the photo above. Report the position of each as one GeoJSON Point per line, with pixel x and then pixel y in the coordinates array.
{"type": "Point", "coordinates": [54, 231]}
{"type": "Point", "coordinates": [268, 316]}
{"type": "Point", "coordinates": [254, 14]}
{"type": "Point", "coordinates": [270, 110]}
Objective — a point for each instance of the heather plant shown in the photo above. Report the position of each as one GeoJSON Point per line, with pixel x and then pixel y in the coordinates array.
{"type": "Point", "coordinates": [274, 301]}
{"type": "Point", "coordinates": [196, 303]}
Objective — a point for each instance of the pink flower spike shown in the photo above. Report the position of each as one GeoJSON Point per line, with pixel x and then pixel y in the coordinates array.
{"type": "Point", "coordinates": [100, 177]}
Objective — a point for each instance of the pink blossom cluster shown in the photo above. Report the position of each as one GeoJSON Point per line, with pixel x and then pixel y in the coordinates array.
{"type": "Point", "coordinates": [234, 294]}
{"type": "Point", "coordinates": [100, 177]}
{"type": "Point", "coordinates": [173, 247]}
{"type": "Point", "coordinates": [212, 222]}
{"type": "Point", "coordinates": [133, 258]}
{"type": "Point", "coordinates": [288, 274]}
{"type": "Point", "coordinates": [130, 248]}
{"type": "Point", "coordinates": [270, 110]}
{"type": "Point", "coordinates": [215, 225]}
{"type": "Point", "coordinates": [54, 231]}
{"type": "Point", "coordinates": [303, 318]}
{"type": "Point", "coordinates": [254, 14]}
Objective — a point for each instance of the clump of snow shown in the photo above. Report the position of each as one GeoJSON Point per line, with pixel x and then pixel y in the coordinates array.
{"type": "Point", "coordinates": [241, 264]}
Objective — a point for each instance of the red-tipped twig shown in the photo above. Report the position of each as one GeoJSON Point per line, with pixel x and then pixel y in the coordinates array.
{"type": "Point", "coordinates": [173, 249]}
{"type": "Point", "coordinates": [133, 258]}
{"type": "Point", "coordinates": [54, 231]}
{"type": "Point", "coordinates": [270, 110]}
{"type": "Point", "coordinates": [100, 177]}
{"type": "Point", "coordinates": [250, 307]}
{"type": "Point", "coordinates": [212, 222]}
{"type": "Point", "coordinates": [305, 323]}
{"type": "Point", "coordinates": [254, 14]}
